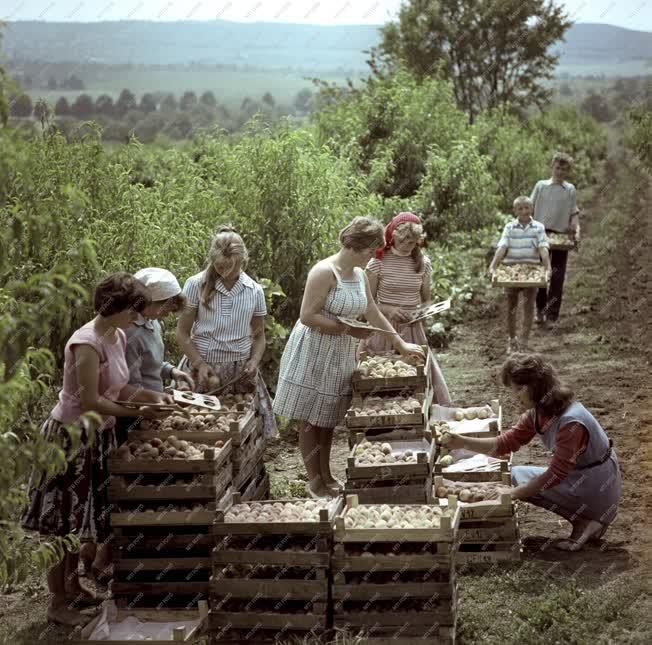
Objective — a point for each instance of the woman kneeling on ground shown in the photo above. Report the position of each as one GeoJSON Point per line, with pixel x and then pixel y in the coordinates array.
{"type": "Point", "coordinates": [582, 482]}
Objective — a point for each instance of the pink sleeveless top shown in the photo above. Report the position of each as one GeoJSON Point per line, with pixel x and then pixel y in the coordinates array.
{"type": "Point", "coordinates": [114, 373]}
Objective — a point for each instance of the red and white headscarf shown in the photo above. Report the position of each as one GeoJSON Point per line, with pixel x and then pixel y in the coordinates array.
{"type": "Point", "coordinates": [401, 218]}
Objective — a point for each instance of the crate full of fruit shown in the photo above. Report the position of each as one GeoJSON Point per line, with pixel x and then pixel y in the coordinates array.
{"type": "Point", "coordinates": [519, 275]}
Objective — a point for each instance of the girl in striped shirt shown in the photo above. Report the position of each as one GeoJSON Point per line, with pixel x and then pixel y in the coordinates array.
{"type": "Point", "coordinates": [399, 277]}
{"type": "Point", "coordinates": [221, 330]}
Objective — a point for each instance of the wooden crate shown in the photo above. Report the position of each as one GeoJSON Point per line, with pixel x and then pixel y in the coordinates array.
{"type": "Point", "coordinates": [560, 241]}
{"type": "Point", "coordinates": [322, 527]}
{"type": "Point", "coordinates": [256, 488]}
{"type": "Point", "coordinates": [238, 431]}
{"type": "Point", "coordinates": [445, 533]}
{"type": "Point", "coordinates": [170, 517]}
{"type": "Point", "coordinates": [476, 428]}
{"type": "Point", "coordinates": [246, 464]}
{"type": "Point", "coordinates": [541, 282]}
{"type": "Point", "coordinates": [418, 419]}
{"type": "Point", "coordinates": [425, 459]}
{"type": "Point", "coordinates": [409, 384]}
{"type": "Point", "coordinates": [192, 635]}
{"type": "Point", "coordinates": [489, 509]}
{"type": "Point", "coordinates": [203, 487]}
{"type": "Point", "coordinates": [501, 468]}
{"type": "Point", "coordinates": [407, 490]}
{"type": "Point", "coordinates": [415, 433]}
{"type": "Point", "coordinates": [212, 460]}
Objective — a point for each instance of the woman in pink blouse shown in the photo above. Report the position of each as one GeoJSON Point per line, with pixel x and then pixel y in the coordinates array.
{"type": "Point", "coordinates": [582, 483]}
{"type": "Point", "coordinates": [95, 376]}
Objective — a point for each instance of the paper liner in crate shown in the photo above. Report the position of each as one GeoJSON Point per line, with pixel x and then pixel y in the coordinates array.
{"type": "Point", "coordinates": [466, 463]}
{"type": "Point", "coordinates": [112, 624]}
{"type": "Point", "coordinates": [491, 424]}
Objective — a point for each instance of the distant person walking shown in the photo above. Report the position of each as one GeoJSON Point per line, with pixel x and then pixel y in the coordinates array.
{"type": "Point", "coordinates": [555, 206]}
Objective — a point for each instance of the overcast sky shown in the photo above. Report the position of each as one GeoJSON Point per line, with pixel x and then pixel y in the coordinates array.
{"type": "Point", "coordinates": [634, 14]}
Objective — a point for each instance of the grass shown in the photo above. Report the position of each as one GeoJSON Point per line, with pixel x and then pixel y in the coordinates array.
{"type": "Point", "coordinates": [529, 606]}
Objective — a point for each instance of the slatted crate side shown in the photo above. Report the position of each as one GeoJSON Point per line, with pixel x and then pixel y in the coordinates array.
{"type": "Point", "coordinates": [445, 533]}
{"type": "Point", "coordinates": [136, 518]}
{"type": "Point", "coordinates": [257, 488]}
{"type": "Point", "coordinates": [190, 633]}
{"type": "Point", "coordinates": [161, 564]}
{"type": "Point", "coordinates": [178, 539]}
{"type": "Point", "coordinates": [506, 532]}
{"type": "Point", "coordinates": [391, 492]}
{"type": "Point", "coordinates": [503, 507]}
{"type": "Point", "coordinates": [418, 419]}
{"type": "Point", "coordinates": [415, 433]}
{"type": "Point", "coordinates": [343, 562]}
{"type": "Point", "coordinates": [479, 556]}
{"type": "Point", "coordinates": [345, 619]}
{"type": "Point", "coordinates": [322, 527]}
{"type": "Point", "coordinates": [424, 451]}
{"type": "Point", "coordinates": [147, 593]}
{"type": "Point", "coordinates": [413, 384]}
{"type": "Point", "coordinates": [365, 591]}
{"type": "Point", "coordinates": [211, 487]}
{"type": "Point", "coordinates": [404, 635]}
{"type": "Point", "coordinates": [283, 623]}
{"type": "Point", "coordinates": [306, 551]}
{"type": "Point", "coordinates": [313, 590]}
{"type": "Point", "coordinates": [244, 465]}
{"type": "Point", "coordinates": [210, 462]}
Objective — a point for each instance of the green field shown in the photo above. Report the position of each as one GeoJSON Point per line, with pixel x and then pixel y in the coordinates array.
{"type": "Point", "coordinates": [229, 86]}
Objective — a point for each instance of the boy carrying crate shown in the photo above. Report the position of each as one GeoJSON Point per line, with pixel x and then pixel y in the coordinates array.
{"type": "Point", "coordinates": [555, 206]}
{"type": "Point", "coordinates": [523, 241]}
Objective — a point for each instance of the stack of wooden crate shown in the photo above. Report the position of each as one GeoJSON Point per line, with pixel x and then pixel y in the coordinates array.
{"type": "Point", "coordinates": [250, 478]}
{"type": "Point", "coordinates": [163, 512]}
{"type": "Point", "coordinates": [488, 529]}
{"type": "Point", "coordinates": [402, 432]}
{"type": "Point", "coordinates": [271, 576]}
{"type": "Point", "coordinates": [395, 585]}
{"type": "Point", "coordinates": [404, 481]}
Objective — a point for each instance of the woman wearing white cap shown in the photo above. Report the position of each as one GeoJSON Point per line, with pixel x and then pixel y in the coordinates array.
{"type": "Point", "coordinates": [145, 348]}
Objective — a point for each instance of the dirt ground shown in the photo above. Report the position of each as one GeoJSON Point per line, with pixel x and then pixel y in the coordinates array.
{"type": "Point", "coordinates": [601, 347]}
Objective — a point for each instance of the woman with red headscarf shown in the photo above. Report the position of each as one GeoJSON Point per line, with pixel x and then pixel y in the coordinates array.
{"type": "Point", "coordinates": [399, 277]}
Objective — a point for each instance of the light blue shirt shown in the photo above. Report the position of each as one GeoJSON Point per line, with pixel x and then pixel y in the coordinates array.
{"type": "Point", "coordinates": [523, 241]}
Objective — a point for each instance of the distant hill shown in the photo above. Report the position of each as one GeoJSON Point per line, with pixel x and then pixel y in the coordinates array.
{"type": "Point", "coordinates": [312, 48]}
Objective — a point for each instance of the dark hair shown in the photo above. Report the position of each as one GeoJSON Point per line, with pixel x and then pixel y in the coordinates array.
{"type": "Point", "coordinates": [176, 303]}
{"type": "Point", "coordinates": [540, 377]}
{"type": "Point", "coordinates": [563, 158]}
{"type": "Point", "coordinates": [118, 292]}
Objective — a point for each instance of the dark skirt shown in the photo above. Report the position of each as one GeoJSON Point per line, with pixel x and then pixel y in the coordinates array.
{"type": "Point", "coordinates": [77, 500]}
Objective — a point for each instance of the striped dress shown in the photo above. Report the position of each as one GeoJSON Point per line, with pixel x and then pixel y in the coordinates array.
{"type": "Point", "coordinates": [314, 383]}
{"type": "Point", "coordinates": [399, 285]}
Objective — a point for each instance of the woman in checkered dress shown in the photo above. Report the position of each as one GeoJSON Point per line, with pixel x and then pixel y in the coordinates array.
{"type": "Point", "coordinates": [314, 385]}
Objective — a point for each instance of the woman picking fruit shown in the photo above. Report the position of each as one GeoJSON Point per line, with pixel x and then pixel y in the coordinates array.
{"type": "Point", "coordinates": [314, 384]}
{"type": "Point", "coordinates": [145, 349]}
{"type": "Point", "coordinates": [221, 330]}
{"type": "Point", "coordinates": [95, 376]}
{"type": "Point", "coordinates": [582, 482]}
{"type": "Point", "coordinates": [399, 278]}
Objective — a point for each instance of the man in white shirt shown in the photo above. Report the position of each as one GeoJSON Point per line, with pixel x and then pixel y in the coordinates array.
{"type": "Point", "coordinates": [555, 206]}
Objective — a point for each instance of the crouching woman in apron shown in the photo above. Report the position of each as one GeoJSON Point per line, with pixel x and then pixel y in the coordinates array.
{"type": "Point", "coordinates": [582, 482]}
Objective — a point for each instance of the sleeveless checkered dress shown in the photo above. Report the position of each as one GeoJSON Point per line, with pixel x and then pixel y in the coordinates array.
{"type": "Point", "coordinates": [314, 382]}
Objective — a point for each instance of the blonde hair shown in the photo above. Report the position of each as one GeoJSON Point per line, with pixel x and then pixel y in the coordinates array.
{"type": "Point", "coordinates": [362, 233]}
{"type": "Point", "coordinates": [522, 199]}
{"type": "Point", "coordinates": [226, 245]}
{"type": "Point", "coordinates": [563, 158]}
{"type": "Point", "coordinates": [414, 231]}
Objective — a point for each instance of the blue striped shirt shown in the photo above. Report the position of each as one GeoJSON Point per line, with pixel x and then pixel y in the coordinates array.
{"type": "Point", "coordinates": [523, 241]}
{"type": "Point", "coordinates": [222, 331]}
